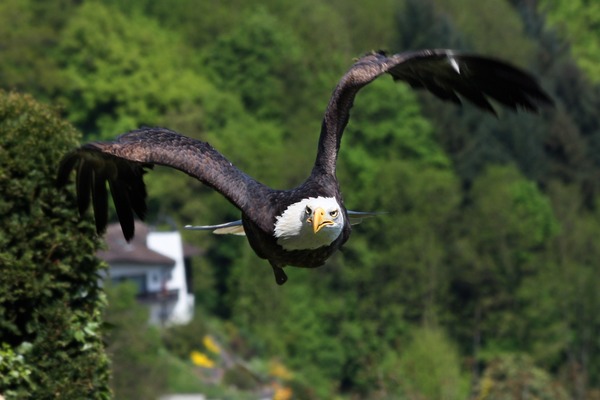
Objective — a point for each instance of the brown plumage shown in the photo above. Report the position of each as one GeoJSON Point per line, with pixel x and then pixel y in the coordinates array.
{"type": "Point", "coordinates": [276, 221]}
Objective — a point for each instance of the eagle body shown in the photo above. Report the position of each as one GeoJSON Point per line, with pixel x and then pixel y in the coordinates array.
{"type": "Point", "coordinates": [267, 244]}
{"type": "Point", "coordinates": [303, 226]}
{"type": "Point", "coordinates": [281, 241]}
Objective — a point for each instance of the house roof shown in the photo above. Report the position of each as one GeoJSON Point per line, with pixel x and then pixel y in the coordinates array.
{"type": "Point", "coordinates": [134, 252]}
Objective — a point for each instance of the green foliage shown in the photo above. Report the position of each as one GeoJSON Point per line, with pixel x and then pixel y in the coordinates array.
{"type": "Point", "coordinates": [358, 21]}
{"type": "Point", "coordinates": [501, 194]}
{"type": "Point", "coordinates": [181, 340]}
{"type": "Point", "coordinates": [312, 345]}
{"type": "Point", "coordinates": [123, 72]}
{"type": "Point", "coordinates": [50, 301]}
{"type": "Point", "coordinates": [182, 378]}
{"type": "Point", "coordinates": [517, 377]}
{"type": "Point", "coordinates": [255, 303]}
{"type": "Point", "coordinates": [579, 21]}
{"type": "Point", "coordinates": [428, 367]}
{"type": "Point", "coordinates": [500, 259]}
{"type": "Point", "coordinates": [134, 347]}
{"type": "Point", "coordinates": [420, 24]}
{"type": "Point", "coordinates": [564, 316]}
{"type": "Point", "coordinates": [491, 28]}
{"type": "Point", "coordinates": [26, 28]}
{"type": "Point", "coordinates": [510, 223]}
{"type": "Point", "coordinates": [14, 372]}
{"type": "Point", "coordinates": [260, 60]}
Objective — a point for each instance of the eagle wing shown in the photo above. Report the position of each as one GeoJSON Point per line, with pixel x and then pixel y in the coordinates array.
{"type": "Point", "coordinates": [227, 228]}
{"type": "Point", "coordinates": [123, 162]}
{"type": "Point", "coordinates": [447, 74]}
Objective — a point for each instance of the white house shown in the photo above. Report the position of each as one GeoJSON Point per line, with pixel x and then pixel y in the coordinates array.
{"type": "Point", "coordinates": [159, 264]}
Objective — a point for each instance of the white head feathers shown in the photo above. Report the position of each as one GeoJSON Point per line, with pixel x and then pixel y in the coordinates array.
{"type": "Point", "coordinates": [294, 228]}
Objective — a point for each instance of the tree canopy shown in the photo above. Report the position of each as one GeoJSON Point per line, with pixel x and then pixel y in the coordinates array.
{"type": "Point", "coordinates": [480, 277]}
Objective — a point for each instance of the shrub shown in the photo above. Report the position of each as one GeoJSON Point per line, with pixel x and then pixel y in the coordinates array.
{"type": "Point", "coordinates": [50, 301]}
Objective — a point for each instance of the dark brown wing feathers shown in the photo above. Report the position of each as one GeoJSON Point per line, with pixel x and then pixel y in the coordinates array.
{"type": "Point", "coordinates": [445, 73]}
{"type": "Point", "coordinates": [93, 170]}
{"type": "Point", "coordinates": [122, 164]}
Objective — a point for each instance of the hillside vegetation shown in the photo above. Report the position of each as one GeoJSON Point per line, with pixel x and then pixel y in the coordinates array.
{"type": "Point", "coordinates": [482, 279]}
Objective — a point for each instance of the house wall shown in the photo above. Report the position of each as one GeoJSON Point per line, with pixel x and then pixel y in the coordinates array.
{"type": "Point", "coordinates": [170, 244]}
{"type": "Point", "coordinates": [153, 275]}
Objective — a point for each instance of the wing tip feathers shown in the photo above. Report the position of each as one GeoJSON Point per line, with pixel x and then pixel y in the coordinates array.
{"type": "Point", "coordinates": [127, 187]}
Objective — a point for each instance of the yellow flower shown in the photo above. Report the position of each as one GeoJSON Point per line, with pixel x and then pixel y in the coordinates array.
{"type": "Point", "coordinates": [201, 359]}
{"type": "Point", "coordinates": [282, 393]}
{"type": "Point", "coordinates": [486, 386]}
{"type": "Point", "coordinates": [279, 370]}
{"type": "Point", "coordinates": [211, 344]}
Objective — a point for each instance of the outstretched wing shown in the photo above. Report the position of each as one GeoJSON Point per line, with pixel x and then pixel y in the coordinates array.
{"type": "Point", "coordinates": [445, 73]}
{"type": "Point", "coordinates": [356, 217]}
{"type": "Point", "coordinates": [237, 227]}
{"type": "Point", "coordinates": [227, 228]}
{"type": "Point", "coordinates": [122, 164]}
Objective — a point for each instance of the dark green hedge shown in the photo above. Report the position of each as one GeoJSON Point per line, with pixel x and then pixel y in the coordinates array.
{"type": "Point", "coordinates": [50, 301]}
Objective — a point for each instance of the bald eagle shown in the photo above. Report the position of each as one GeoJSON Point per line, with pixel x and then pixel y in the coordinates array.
{"type": "Point", "coordinates": [305, 225]}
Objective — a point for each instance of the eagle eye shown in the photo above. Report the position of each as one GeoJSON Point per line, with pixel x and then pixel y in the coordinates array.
{"type": "Point", "coordinates": [334, 213]}
{"type": "Point", "coordinates": [308, 210]}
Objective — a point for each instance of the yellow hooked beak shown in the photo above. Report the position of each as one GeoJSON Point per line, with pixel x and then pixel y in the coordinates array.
{"type": "Point", "coordinates": [319, 219]}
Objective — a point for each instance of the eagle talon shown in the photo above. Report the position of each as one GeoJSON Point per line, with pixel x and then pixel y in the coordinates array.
{"type": "Point", "coordinates": [280, 276]}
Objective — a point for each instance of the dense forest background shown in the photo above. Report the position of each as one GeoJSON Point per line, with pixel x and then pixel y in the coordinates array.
{"type": "Point", "coordinates": [482, 281]}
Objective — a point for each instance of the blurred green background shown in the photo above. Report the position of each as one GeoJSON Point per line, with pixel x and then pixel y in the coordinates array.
{"type": "Point", "coordinates": [482, 281]}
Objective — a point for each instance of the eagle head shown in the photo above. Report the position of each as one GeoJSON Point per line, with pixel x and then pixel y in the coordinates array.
{"type": "Point", "coordinates": [309, 224]}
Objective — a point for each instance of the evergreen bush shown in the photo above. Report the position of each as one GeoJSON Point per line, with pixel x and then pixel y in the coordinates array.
{"type": "Point", "coordinates": [50, 300]}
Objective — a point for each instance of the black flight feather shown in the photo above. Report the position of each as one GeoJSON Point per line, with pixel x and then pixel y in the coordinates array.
{"type": "Point", "coordinates": [83, 185]}
{"type": "Point", "coordinates": [100, 201]}
{"type": "Point", "coordinates": [123, 207]}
